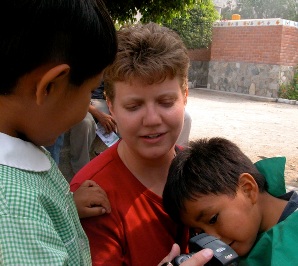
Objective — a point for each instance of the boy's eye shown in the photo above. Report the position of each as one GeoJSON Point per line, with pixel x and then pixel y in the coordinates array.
{"type": "Point", "coordinates": [213, 219]}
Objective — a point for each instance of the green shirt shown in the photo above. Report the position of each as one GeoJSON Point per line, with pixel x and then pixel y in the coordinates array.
{"type": "Point", "coordinates": [278, 245]}
{"type": "Point", "coordinates": [39, 224]}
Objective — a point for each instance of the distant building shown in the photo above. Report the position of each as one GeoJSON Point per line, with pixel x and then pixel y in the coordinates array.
{"type": "Point", "coordinates": [219, 4]}
{"type": "Point", "coordinates": [223, 3]}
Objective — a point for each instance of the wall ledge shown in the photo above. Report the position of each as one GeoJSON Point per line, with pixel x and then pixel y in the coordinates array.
{"type": "Point", "coordinates": [256, 23]}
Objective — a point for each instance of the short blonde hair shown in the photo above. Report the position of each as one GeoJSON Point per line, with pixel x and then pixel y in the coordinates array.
{"type": "Point", "coordinates": [150, 53]}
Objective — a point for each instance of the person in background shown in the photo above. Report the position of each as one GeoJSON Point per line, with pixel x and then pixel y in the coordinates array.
{"type": "Point", "coordinates": [146, 90]}
{"type": "Point", "coordinates": [183, 138]}
{"type": "Point", "coordinates": [51, 53]}
{"type": "Point", "coordinates": [213, 187]}
{"type": "Point", "coordinates": [82, 135]}
{"type": "Point", "coordinates": [56, 148]}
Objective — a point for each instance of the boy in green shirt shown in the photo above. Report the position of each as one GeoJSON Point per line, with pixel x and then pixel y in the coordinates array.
{"type": "Point", "coordinates": [52, 55]}
{"type": "Point", "coordinates": [213, 187]}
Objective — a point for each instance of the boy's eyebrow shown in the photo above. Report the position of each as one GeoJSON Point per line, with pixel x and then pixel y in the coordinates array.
{"type": "Point", "coordinates": [200, 215]}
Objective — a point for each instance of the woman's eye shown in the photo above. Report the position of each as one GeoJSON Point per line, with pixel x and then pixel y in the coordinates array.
{"type": "Point", "coordinates": [213, 219]}
{"type": "Point", "coordinates": [132, 107]}
{"type": "Point", "coordinates": [167, 104]}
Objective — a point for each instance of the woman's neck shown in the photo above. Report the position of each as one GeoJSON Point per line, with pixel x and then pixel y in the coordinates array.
{"type": "Point", "coordinates": [152, 173]}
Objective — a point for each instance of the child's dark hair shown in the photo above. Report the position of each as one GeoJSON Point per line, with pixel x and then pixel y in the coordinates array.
{"type": "Point", "coordinates": [206, 167]}
{"type": "Point", "coordinates": [75, 32]}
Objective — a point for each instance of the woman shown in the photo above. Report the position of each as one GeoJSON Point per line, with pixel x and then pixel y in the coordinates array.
{"type": "Point", "coordinates": [146, 90]}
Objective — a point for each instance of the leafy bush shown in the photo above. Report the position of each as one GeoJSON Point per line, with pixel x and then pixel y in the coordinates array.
{"type": "Point", "coordinates": [195, 27]}
{"type": "Point", "coordinates": [290, 91]}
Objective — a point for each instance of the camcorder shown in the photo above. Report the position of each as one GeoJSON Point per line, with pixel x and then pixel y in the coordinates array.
{"type": "Point", "coordinates": [223, 253]}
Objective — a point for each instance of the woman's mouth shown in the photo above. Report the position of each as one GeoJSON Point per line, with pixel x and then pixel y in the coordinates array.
{"type": "Point", "coordinates": [153, 136]}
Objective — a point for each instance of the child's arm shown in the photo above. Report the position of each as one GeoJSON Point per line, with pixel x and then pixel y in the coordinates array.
{"type": "Point", "coordinates": [91, 200]}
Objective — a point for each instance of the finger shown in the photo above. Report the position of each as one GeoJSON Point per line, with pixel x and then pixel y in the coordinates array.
{"type": "Point", "coordinates": [102, 202]}
{"type": "Point", "coordinates": [114, 127]}
{"type": "Point", "coordinates": [199, 259]}
{"type": "Point", "coordinates": [94, 211]}
{"type": "Point", "coordinates": [113, 120]}
{"type": "Point", "coordinates": [99, 198]}
{"type": "Point", "coordinates": [175, 251]}
{"type": "Point", "coordinates": [107, 127]}
{"type": "Point", "coordinates": [89, 183]}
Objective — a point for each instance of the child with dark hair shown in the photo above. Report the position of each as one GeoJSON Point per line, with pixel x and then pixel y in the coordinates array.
{"type": "Point", "coordinates": [213, 187]}
{"type": "Point", "coordinates": [52, 55]}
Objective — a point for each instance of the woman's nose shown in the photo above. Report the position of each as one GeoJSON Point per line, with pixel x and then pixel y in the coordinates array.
{"type": "Point", "coordinates": [151, 117]}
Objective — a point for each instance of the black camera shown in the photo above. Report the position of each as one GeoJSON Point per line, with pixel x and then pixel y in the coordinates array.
{"type": "Point", "coordinates": [223, 253]}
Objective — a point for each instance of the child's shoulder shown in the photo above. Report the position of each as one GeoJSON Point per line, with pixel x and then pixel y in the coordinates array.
{"type": "Point", "coordinates": [27, 193]}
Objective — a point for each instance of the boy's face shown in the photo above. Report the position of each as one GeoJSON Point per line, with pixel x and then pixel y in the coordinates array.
{"type": "Point", "coordinates": [73, 105]}
{"type": "Point", "coordinates": [234, 220]}
{"type": "Point", "coordinates": [149, 117]}
{"type": "Point", "coordinates": [63, 107]}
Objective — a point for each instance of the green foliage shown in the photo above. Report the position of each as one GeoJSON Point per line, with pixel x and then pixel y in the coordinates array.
{"type": "Point", "coordinates": [192, 19]}
{"type": "Point", "coordinates": [151, 10]}
{"type": "Point", "coordinates": [258, 9]}
{"type": "Point", "coordinates": [290, 91]}
{"type": "Point", "coordinates": [195, 27]}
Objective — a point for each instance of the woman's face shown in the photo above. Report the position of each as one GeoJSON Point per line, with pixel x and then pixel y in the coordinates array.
{"type": "Point", "coordinates": [149, 117]}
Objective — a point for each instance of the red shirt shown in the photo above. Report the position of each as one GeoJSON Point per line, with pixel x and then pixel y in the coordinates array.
{"type": "Point", "coordinates": [137, 231]}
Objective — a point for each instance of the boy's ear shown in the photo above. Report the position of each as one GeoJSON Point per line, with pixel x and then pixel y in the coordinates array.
{"type": "Point", "coordinates": [249, 187]}
{"type": "Point", "coordinates": [48, 79]}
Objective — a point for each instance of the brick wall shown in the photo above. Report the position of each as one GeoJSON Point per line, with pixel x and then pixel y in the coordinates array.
{"type": "Point", "coordinates": [200, 54]}
{"type": "Point", "coordinates": [266, 42]}
{"type": "Point", "coordinates": [289, 46]}
{"type": "Point", "coordinates": [247, 56]}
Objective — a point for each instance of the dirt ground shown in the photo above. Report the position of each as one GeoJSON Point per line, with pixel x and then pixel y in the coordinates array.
{"type": "Point", "coordinates": [260, 127]}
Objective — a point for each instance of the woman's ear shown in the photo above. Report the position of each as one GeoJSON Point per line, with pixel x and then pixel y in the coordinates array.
{"type": "Point", "coordinates": [49, 78]}
{"type": "Point", "coordinates": [249, 187]}
{"type": "Point", "coordinates": [185, 95]}
{"type": "Point", "coordinates": [110, 106]}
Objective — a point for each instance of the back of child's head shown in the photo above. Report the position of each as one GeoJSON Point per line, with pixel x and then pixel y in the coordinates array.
{"type": "Point", "coordinates": [149, 53]}
{"type": "Point", "coordinates": [206, 167]}
{"type": "Point", "coordinates": [79, 33]}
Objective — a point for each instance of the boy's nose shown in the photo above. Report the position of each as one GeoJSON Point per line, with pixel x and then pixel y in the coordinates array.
{"type": "Point", "coordinates": [212, 232]}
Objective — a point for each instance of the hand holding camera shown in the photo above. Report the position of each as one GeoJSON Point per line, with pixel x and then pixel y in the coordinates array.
{"type": "Point", "coordinates": [223, 253]}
